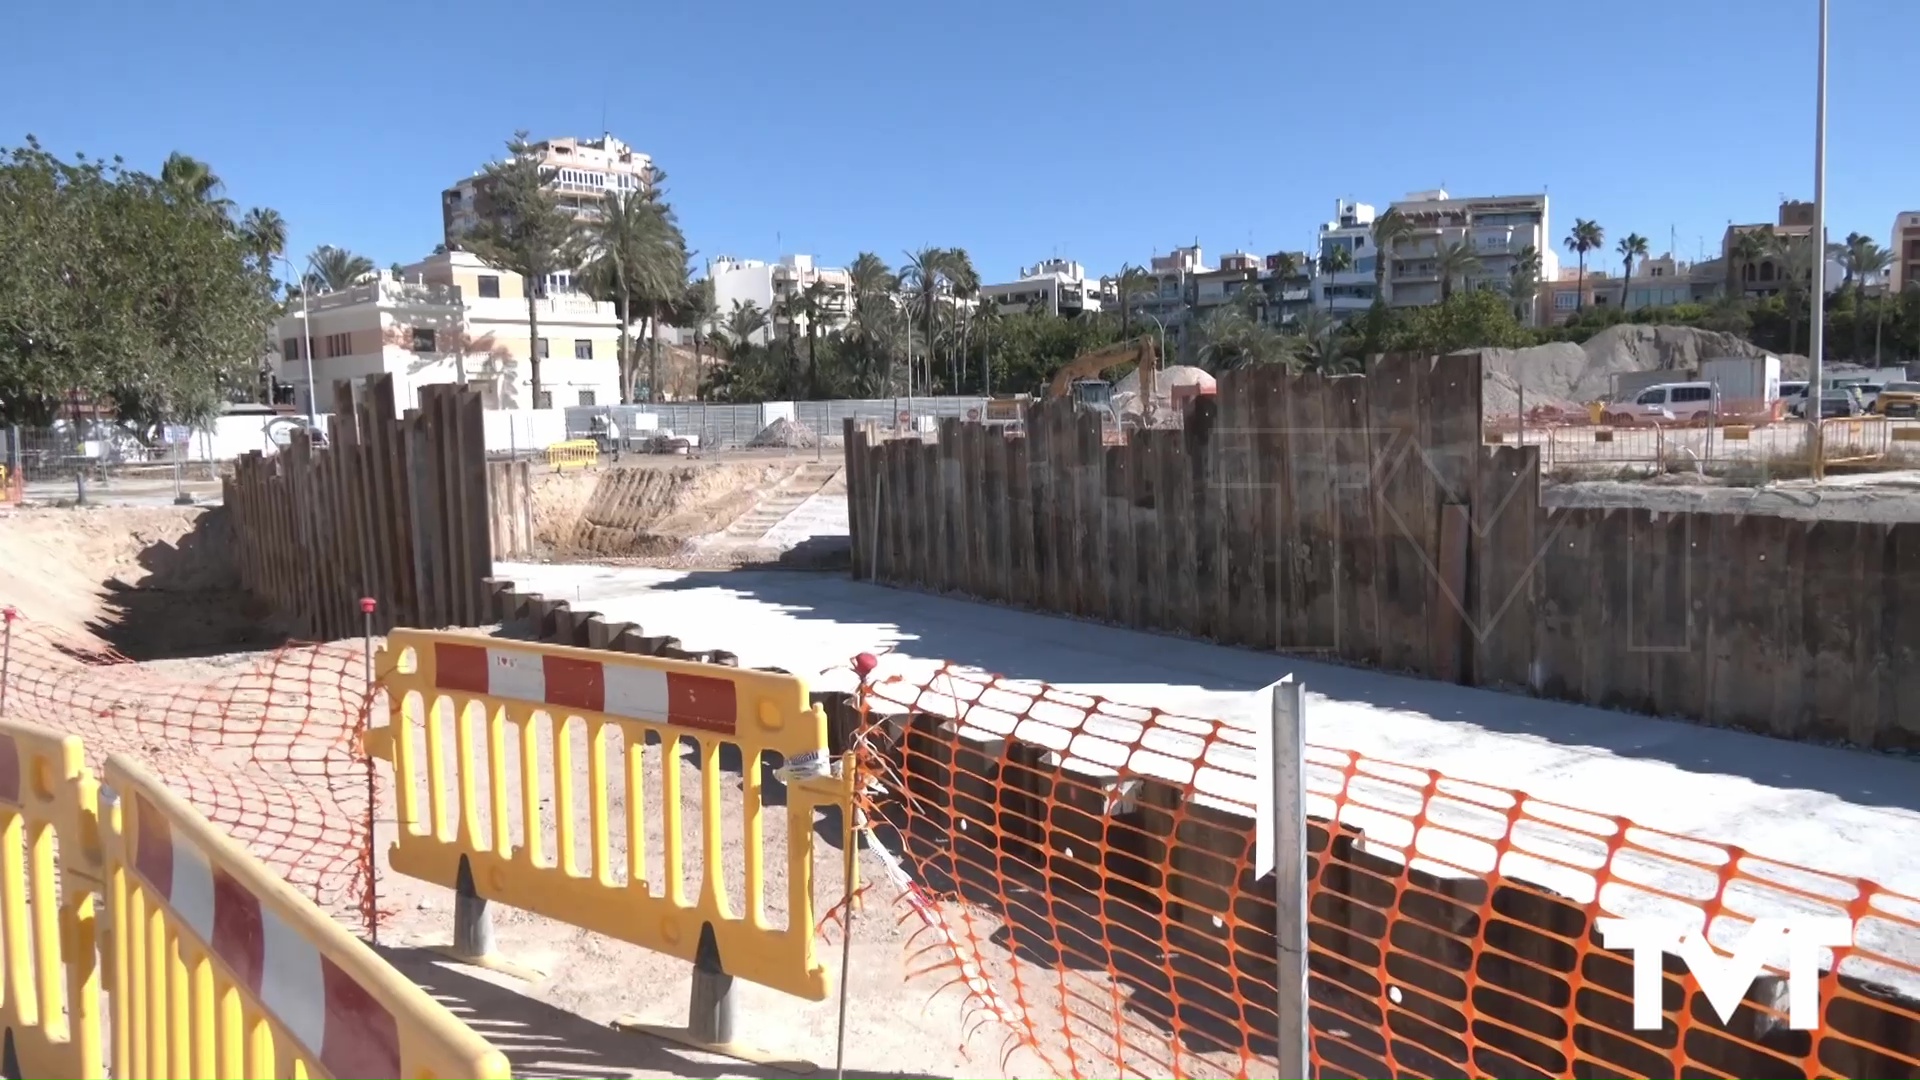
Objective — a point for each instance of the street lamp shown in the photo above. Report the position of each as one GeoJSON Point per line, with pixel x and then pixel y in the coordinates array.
{"type": "Point", "coordinates": [306, 336]}
{"type": "Point", "coordinates": [1818, 329]}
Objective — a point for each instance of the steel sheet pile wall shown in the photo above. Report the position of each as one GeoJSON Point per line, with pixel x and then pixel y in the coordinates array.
{"type": "Point", "coordinates": [395, 509]}
{"type": "Point", "coordinates": [1361, 519]}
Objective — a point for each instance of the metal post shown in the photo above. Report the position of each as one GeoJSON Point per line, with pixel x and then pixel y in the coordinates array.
{"type": "Point", "coordinates": [710, 1010]}
{"type": "Point", "coordinates": [1289, 810]}
{"type": "Point", "coordinates": [1819, 240]}
{"type": "Point", "coordinates": [367, 605]}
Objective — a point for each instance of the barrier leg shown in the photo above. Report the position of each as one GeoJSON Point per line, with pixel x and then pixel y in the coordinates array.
{"type": "Point", "coordinates": [473, 931]}
{"type": "Point", "coordinates": [710, 1015]}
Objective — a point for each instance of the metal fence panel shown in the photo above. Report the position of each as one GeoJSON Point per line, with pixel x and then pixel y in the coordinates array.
{"type": "Point", "coordinates": [728, 426]}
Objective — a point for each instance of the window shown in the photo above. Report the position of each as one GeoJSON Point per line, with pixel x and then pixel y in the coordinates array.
{"type": "Point", "coordinates": [290, 349]}
{"type": "Point", "coordinates": [583, 349]}
{"type": "Point", "coordinates": [339, 344]}
{"type": "Point", "coordinates": [1652, 397]}
{"type": "Point", "coordinates": [586, 398]}
{"type": "Point", "coordinates": [543, 348]}
{"type": "Point", "coordinates": [423, 339]}
{"type": "Point", "coordinates": [490, 286]}
{"type": "Point", "coordinates": [1692, 393]}
{"type": "Point", "coordinates": [543, 400]}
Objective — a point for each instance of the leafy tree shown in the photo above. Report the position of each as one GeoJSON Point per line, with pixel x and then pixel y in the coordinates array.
{"type": "Point", "coordinates": [697, 312]}
{"type": "Point", "coordinates": [1232, 338]}
{"type": "Point", "coordinates": [331, 269]}
{"type": "Point", "coordinates": [1456, 262]}
{"type": "Point", "coordinates": [1523, 282]}
{"type": "Point", "coordinates": [1632, 246]}
{"type": "Point", "coordinates": [524, 230]}
{"type": "Point", "coordinates": [634, 255]}
{"type": "Point", "coordinates": [1585, 236]}
{"type": "Point", "coordinates": [1862, 259]}
{"type": "Point", "coordinates": [1748, 248]}
{"type": "Point", "coordinates": [125, 289]}
{"type": "Point", "coordinates": [194, 183]}
{"type": "Point", "coordinates": [1390, 230]}
{"type": "Point", "coordinates": [1471, 319]}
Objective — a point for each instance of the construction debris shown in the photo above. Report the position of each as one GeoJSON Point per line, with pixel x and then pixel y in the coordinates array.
{"type": "Point", "coordinates": [784, 434]}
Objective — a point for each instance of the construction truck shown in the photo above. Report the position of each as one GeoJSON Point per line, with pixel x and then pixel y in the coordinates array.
{"type": "Point", "coordinates": [1082, 380]}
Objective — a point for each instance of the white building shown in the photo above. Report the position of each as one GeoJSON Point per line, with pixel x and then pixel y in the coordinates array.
{"type": "Point", "coordinates": [1497, 228]}
{"type": "Point", "coordinates": [581, 173]}
{"type": "Point", "coordinates": [772, 286]}
{"type": "Point", "coordinates": [1054, 287]}
{"type": "Point", "coordinates": [451, 317]}
{"type": "Point", "coordinates": [1350, 291]}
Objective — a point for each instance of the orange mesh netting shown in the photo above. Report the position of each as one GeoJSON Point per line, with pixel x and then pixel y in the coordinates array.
{"type": "Point", "coordinates": [267, 753]}
{"type": "Point", "coordinates": [1083, 871]}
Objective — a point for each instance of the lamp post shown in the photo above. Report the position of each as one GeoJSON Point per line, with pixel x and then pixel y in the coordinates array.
{"type": "Point", "coordinates": [1818, 321]}
{"type": "Point", "coordinates": [306, 345]}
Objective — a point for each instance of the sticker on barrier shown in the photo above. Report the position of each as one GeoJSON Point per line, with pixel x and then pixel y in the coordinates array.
{"type": "Point", "coordinates": [551, 779]}
{"type": "Point", "coordinates": [51, 1007]}
{"type": "Point", "coordinates": [220, 968]}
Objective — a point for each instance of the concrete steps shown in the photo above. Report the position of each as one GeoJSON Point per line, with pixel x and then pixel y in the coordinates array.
{"type": "Point", "coordinates": [782, 500]}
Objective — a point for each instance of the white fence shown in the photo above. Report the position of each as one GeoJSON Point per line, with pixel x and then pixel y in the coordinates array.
{"type": "Point", "coordinates": [727, 426]}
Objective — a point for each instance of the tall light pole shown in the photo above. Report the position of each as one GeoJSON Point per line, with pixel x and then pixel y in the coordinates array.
{"type": "Point", "coordinates": [1818, 330]}
{"type": "Point", "coordinates": [306, 343]}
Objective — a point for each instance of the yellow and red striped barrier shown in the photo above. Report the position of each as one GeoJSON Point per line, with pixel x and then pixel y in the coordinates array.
{"type": "Point", "coordinates": [601, 732]}
{"type": "Point", "coordinates": [573, 454]}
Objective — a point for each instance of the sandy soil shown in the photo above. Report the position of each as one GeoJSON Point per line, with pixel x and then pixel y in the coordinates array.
{"type": "Point", "coordinates": [1880, 498]}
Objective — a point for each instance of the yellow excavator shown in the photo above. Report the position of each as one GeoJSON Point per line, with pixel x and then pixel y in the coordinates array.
{"type": "Point", "coordinates": [1081, 378]}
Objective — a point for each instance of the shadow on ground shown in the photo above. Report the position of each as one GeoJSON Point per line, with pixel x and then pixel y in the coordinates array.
{"type": "Point", "coordinates": [189, 602]}
{"type": "Point", "coordinates": [542, 1041]}
{"type": "Point", "coordinates": [1027, 645]}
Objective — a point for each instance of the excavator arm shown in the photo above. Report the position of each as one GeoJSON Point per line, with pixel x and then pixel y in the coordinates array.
{"type": "Point", "coordinates": [1090, 365]}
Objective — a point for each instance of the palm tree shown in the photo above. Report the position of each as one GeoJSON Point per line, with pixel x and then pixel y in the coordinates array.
{"type": "Point", "coordinates": [874, 316]}
{"type": "Point", "coordinates": [634, 254]}
{"type": "Point", "coordinates": [986, 323]}
{"type": "Point", "coordinates": [698, 310]}
{"type": "Point", "coordinates": [1523, 283]}
{"type": "Point", "coordinates": [331, 269]}
{"type": "Point", "coordinates": [1335, 260]}
{"type": "Point", "coordinates": [1389, 230]}
{"type": "Point", "coordinates": [789, 309]}
{"type": "Point", "coordinates": [1748, 248]}
{"type": "Point", "coordinates": [1585, 236]}
{"type": "Point", "coordinates": [1795, 256]}
{"type": "Point", "coordinates": [1130, 282]}
{"type": "Point", "coordinates": [744, 321]}
{"type": "Point", "coordinates": [191, 180]}
{"type": "Point", "coordinates": [524, 230]}
{"type": "Point", "coordinates": [265, 234]}
{"type": "Point", "coordinates": [1455, 262]}
{"type": "Point", "coordinates": [1632, 246]}
{"type": "Point", "coordinates": [930, 274]}
{"type": "Point", "coordinates": [1862, 260]}
{"type": "Point", "coordinates": [816, 306]}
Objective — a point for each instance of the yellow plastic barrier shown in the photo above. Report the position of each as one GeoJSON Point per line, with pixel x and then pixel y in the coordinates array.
{"type": "Point", "coordinates": [50, 1007]}
{"type": "Point", "coordinates": [508, 720]}
{"type": "Point", "coordinates": [219, 968]}
{"type": "Point", "coordinates": [573, 454]}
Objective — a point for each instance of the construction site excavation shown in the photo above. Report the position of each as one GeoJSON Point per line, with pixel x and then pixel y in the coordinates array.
{"type": "Point", "coordinates": [954, 738]}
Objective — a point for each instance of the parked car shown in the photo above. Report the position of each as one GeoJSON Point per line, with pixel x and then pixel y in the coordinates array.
{"type": "Point", "coordinates": [1899, 399]}
{"type": "Point", "coordinates": [1869, 393]}
{"type": "Point", "coordinates": [1667, 403]}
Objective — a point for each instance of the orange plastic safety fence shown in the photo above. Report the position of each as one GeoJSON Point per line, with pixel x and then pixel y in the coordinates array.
{"type": "Point", "coordinates": [267, 751]}
{"type": "Point", "coordinates": [1084, 872]}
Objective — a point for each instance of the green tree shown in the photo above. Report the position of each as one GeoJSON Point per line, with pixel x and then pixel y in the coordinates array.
{"type": "Point", "coordinates": [1472, 319]}
{"type": "Point", "coordinates": [875, 326]}
{"type": "Point", "coordinates": [1794, 254]}
{"type": "Point", "coordinates": [817, 304]}
{"type": "Point", "coordinates": [1862, 260]}
{"type": "Point", "coordinates": [1336, 259]}
{"type": "Point", "coordinates": [331, 269]}
{"type": "Point", "coordinates": [634, 255]}
{"type": "Point", "coordinates": [524, 230]}
{"type": "Point", "coordinates": [1585, 236]}
{"type": "Point", "coordinates": [1523, 282]}
{"type": "Point", "coordinates": [1748, 249]}
{"type": "Point", "coordinates": [1131, 282]}
{"type": "Point", "coordinates": [265, 232]}
{"type": "Point", "coordinates": [698, 310]}
{"type": "Point", "coordinates": [193, 182]}
{"type": "Point", "coordinates": [1632, 246]}
{"type": "Point", "coordinates": [929, 275]}
{"type": "Point", "coordinates": [116, 289]}
{"type": "Point", "coordinates": [1390, 230]}
{"type": "Point", "coordinates": [1456, 262]}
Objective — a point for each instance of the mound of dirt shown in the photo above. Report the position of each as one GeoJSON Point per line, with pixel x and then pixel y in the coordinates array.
{"type": "Point", "coordinates": [646, 511]}
{"type": "Point", "coordinates": [1562, 374]}
{"type": "Point", "coordinates": [784, 434]}
{"type": "Point", "coordinates": [149, 583]}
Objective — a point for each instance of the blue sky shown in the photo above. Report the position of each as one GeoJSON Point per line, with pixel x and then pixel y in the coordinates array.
{"type": "Point", "coordinates": [1101, 132]}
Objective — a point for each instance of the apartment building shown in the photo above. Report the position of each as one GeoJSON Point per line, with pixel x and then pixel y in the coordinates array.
{"type": "Point", "coordinates": [1345, 293]}
{"type": "Point", "coordinates": [581, 173]}
{"type": "Point", "coordinates": [1660, 281]}
{"type": "Point", "coordinates": [771, 286]}
{"type": "Point", "coordinates": [1905, 269]}
{"type": "Point", "coordinates": [1497, 228]}
{"type": "Point", "coordinates": [1052, 286]}
{"type": "Point", "coordinates": [452, 318]}
{"type": "Point", "coordinates": [1287, 276]}
{"type": "Point", "coordinates": [1766, 274]}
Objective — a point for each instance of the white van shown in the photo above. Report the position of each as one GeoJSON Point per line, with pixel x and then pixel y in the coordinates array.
{"type": "Point", "coordinates": [1667, 403]}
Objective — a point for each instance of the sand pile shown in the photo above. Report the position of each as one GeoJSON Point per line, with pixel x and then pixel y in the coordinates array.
{"type": "Point", "coordinates": [1563, 375]}
{"type": "Point", "coordinates": [784, 434]}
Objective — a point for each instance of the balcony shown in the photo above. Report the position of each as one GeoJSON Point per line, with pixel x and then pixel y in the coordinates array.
{"type": "Point", "coordinates": [385, 290]}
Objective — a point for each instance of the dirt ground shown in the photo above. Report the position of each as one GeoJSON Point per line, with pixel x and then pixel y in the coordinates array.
{"type": "Point", "coordinates": [1883, 497]}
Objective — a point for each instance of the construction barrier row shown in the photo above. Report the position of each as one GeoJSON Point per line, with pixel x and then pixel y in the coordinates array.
{"type": "Point", "coordinates": [551, 779]}
{"type": "Point", "coordinates": [573, 454]}
{"type": "Point", "coordinates": [1086, 872]}
{"type": "Point", "coordinates": [129, 921]}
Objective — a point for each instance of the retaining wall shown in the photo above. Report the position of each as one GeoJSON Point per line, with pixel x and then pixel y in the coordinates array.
{"type": "Point", "coordinates": [1359, 519]}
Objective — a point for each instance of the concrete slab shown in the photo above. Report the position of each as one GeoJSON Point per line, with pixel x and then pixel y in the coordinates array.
{"type": "Point", "coordinates": [1835, 810]}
